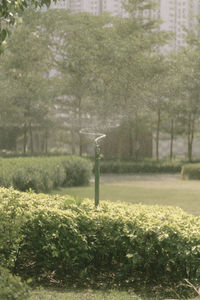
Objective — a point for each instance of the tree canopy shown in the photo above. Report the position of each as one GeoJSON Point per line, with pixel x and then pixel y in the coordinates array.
{"type": "Point", "coordinates": [10, 11]}
{"type": "Point", "coordinates": [62, 72]}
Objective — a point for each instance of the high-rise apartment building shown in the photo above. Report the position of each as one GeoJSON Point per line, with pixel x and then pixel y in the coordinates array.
{"type": "Point", "coordinates": [177, 15]}
{"type": "Point", "coordinates": [95, 7]}
{"type": "Point", "coordinates": [64, 4]}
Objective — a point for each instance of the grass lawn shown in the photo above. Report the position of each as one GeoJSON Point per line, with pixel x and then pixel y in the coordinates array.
{"type": "Point", "coordinates": [145, 189]}
{"type": "Point", "coordinates": [88, 295]}
{"type": "Point", "coordinates": [83, 295]}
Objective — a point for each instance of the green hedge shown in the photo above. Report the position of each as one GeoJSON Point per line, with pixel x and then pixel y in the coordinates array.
{"type": "Point", "coordinates": [11, 287]}
{"type": "Point", "coordinates": [121, 167]}
{"type": "Point", "coordinates": [191, 171]}
{"type": "Point", "coordinates": [42, 174]}
{"type": "Point", "coordinates": [57, 239]}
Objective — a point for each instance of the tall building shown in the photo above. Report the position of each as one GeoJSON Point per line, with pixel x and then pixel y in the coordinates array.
{"type": "Point", "coordinates": [64, 4]}
{"type": "Point", "coordinates": [95, 7]}
{"type": "Point", "coordinates": [177, 15]}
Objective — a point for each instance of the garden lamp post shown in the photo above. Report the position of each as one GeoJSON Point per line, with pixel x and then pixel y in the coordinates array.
{"type": "Point", "coordinates": [99, 136]}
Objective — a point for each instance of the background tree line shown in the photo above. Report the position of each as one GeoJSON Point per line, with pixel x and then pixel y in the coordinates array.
{"type": "Point", "coordinates": [62, 72]}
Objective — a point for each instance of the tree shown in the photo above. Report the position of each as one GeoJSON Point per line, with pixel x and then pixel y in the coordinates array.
{"type": "Point", "coordinates": [77, 41]}
{"type": "Point", "coordinates": [172, 124]}
{"type": "Point", "coordinates": [190, 97]}
{"type": "Point", "coordinates": [108, 60]}
{"type": "Point", "coordinates": [101, 71]}
{"type": "Point", "coordinates": [133, 68]}
{"type": "Point", "coordinates": [10, 10]}
{"type": "Point", "coordinates": [27, 72]}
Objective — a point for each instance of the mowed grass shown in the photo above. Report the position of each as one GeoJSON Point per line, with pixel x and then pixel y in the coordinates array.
{"type": "Point", "coordinates": [83, 295]}
{"type": "Point", "coordinates": [144, 189]}
{"type": "Point", "coordinates": [43, 294]}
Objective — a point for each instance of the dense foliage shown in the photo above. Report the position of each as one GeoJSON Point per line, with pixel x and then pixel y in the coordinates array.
{"type": "Point", "coordinates": [57, 238]}
{"type": "Point", "coordinates": [42, 174]}
{"type": "Point", "coordinates": [191, 171]}
{"type": "Point", "coordinates": [103, 70]}
{"type": "Point", "coordinates": [121, 167]}
{"type": "Point", "coordinates": [81, 91]}
{"type": "Point", "coordinates": [11, 287]}
{"type": "Point", "coordinates": [9, 14]}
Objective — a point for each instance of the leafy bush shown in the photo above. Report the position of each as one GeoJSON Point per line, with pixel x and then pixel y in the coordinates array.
{"type": "Point", "coordinates": [78, 171]}
{"type": "Point", "coordinates": [55, 238]}
{"type": "Point", "coordinates": [121, 167]}
{"type": "Point", "coordinates": [42, 174]}
{"type": "Point", "coordinates": [191, 171]}
{"type": "Point", "coordinates": [11, 287]}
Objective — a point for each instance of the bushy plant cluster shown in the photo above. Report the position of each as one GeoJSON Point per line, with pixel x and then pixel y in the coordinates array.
{"type": "Point", "coordinates": [42, 174]}
{"type": "Point", "coordinates": [11, 287]}
{"type": "Point", "coordinates": [56, 238]}
{"type": "Point", "coordinates": [121, 167]}
{"type": "Point", "coordinates": [191, 171]}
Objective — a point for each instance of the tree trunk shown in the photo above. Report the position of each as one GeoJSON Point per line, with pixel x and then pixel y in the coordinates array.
{"type": "Point", "coordinates": [136, 140]}
{"type": "Point", "coordinates": [80, 127]}
{"type": "Point", "coordinates": [171, 139]}
{"type": "Point", "coordinates": [130, 139]}
{"type": "Point", "coordinates": [189, 152]}
{"type": "Point", "coordinates": [31, 137]}
{"type": "Point", "coordinates": [191, 121]}
{"type": "Point", "coordinates": [119, 147]}
{"type": "Point", "coordinates": [25, 138]}
{"type": "Point", "coordinates": [46, 140]}
{"type": "Point", "coordinates": [73, 140]}
{"type": "Point", "coordinates": [158, 133]}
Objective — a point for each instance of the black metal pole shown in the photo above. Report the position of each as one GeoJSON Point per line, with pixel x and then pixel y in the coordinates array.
{"type": "Point", "coordinates": [99, 136]}
{"type": "Point", "coordinates": [97, 174]}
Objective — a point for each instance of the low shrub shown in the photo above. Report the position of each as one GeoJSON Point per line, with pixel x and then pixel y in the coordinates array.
{"type": "Point", "coordinates": [56, 239]}
{"type": "Point", "coordinates": [191, 171]}
{"type": "Point", "coordinates": [42, 174]}
{"type": "Point", "coordinates": [77, 170]}
{"type": "Point", "coordinates": [121, 167]}
{"type": "Point", "coordinates": [11, 287]}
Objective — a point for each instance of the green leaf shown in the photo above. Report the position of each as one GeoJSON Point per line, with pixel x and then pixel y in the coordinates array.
{"type": "Point", "coordinates": [3, 35]}
{"type": "Point", "coordinates": [129, 255]}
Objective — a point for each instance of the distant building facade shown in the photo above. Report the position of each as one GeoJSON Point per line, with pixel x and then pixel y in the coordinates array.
{"type": "Point", "coordinates": [177, 15]}
{"type": "Point", "coordinates": [95, 7]}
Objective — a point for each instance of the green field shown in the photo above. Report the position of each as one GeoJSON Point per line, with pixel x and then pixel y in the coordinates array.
{"type": "Point", "coordinates": [84, 295]}
{"type": "Point", "coordinates": [145, 189]}
{"type": "Point", "coordinates": [89, 295]}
